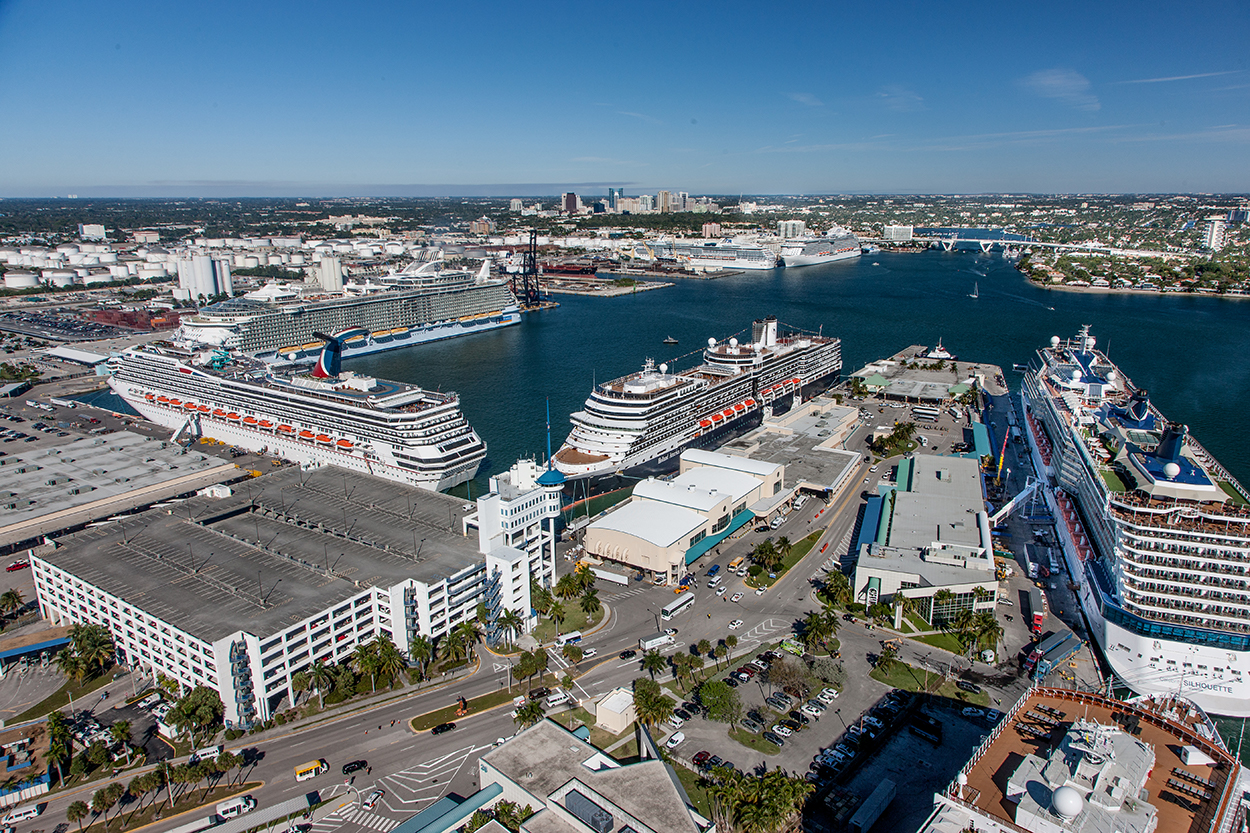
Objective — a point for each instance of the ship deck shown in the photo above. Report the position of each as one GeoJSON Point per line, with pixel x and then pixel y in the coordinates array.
{"type": "Point", "coordinates": [1024, 732]}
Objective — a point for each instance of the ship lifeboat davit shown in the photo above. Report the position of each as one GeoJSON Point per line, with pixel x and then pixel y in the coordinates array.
{"type": "Point", "coordinates": [285, 429]}
{"type": "Point", "coordinates": [325, 439]}
{"type": "Point", "coordinates": [175, 402]}
{"type": "Point", "coordinates": [233, 417]}
{"type": "Point", "coordinates": [346, 445]}
{"type": "Point", "coordinates": [307, 435]}
{"type": "Point", "coordinates": [190, 406]}
{"type": "Point", "coordinates": [705, 423]}
{"type": "Point", "coordinates": [218, 412]}
{"type": "Point", "coordinates": [149, 396]}
{"type": "Point", "coordinates": [750, 403]}
{"type": "Point", "coordinates": [204, 409]}
{"type": "Point", "coordinates": [249, 420]}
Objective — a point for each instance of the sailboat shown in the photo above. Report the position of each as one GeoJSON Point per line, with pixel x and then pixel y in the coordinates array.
{"type": "Point", "coordinates": [976, 290]}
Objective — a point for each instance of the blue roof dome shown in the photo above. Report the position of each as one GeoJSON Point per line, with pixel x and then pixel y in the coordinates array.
{"type": "Point", "coordinates": [551, 477]}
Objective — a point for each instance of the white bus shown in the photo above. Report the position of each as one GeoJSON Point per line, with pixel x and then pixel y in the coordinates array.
{"type": "Point", "coordinates": [683, 603]}
{"type": "Point", "coordinates": [571, 638]}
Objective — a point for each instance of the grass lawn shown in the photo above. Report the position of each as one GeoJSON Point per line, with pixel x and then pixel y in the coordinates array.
{"type": "Point", "coordinates": [61, 698]}
{"type": "Point", "coordinates": [692, 783]}
{"type": "Point", "coordinates": [797, 551]}
{"type": "Point", "coordinates": [909, 678]}
{"type": "Point", "coordinates": [1232, 493]}
{"type": "Point", "coordinates": [945, 641]}
{"type": "Point", "coordinates": [755, 742]}
{"type": "Point", "coordinates": [627, 751]}
{"type": "Point", "coordinates": [448, 713]}
{"type": "Point", "coordinates": [917, 622]}
{"type": "Point", "coordinates": [574, 620]}
{"type": "Point", "coordinates": [192, 799]}
{"type": "Point", "coordinates": [1113, 481]}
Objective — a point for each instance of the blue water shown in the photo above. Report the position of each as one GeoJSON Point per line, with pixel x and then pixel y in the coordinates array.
{"type": "Point", "coordinates": [1187, 350]}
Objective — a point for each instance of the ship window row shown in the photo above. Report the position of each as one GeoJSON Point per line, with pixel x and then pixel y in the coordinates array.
{"type": "Point", "coordinates": [1193, 614]}
{"type": "Point", "coordinates": [1141, 587]}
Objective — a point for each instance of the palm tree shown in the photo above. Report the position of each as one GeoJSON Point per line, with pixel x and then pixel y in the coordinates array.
{"type": "Point", "coordinates": [320, 678]}
{"type": "Point", "coordinates": [556, 614]}
{"type": "Point", "coordinates": [422, 650]}
{"type": "Point", "coordinates": [11, 600]}
{"type": "Point", "coordinates": [120, 730]}
{"type": "Point", "coordinates": [365, 661]}
{"type": "Point", "coordinates": [453, 645]}
{"type": "Point", "coordinates": [887, 658]}
{"type": "Point", "coordinates": [720, 651]}
{"type": "Point", "coordinates": [941, 597]}
{"type": "Point", "coordinates": [59, 744]}
{"type": "Point", "coordinates": [964, 626]}
{"type": "Point", "coordinates": [837, 587]}
{"type": "Point", "coordinates": [540, 597]}
{"type": "Point", "coordinates": [590, 603]}
{"type": "Point", "coordinates": [93, 644]}
{"type": "Point", "coordinates": [70, 665]}
{"type": "Point", "coordinates": [681, 665]}
{"type": "Point", "coordinates": [783, 548]}
{"type": "Point", "coordinates": [391, 661]}
{"type": "Point", "coordinates": [988, 630]}
{"type": "Point", "coordinates": [653, 661]}
{"type": "Point", "coordinates": [573, 653]}
{"type": "Point", "coordinates": [530, 712]}
{"type": "Point", "coordinates": [511, 623]}
{"type": "Point", "coordinates": [566, 586]}
{"type": "Point", "coordinates": [652, 707]}
{"type": "Point", "coordinates": [77, 811]}
{"type": "Point", "coordinates": [584, 577]}
{"type": "Point", "coordinates": [470, 632]}
{"type": "Point", "coordinates": [815, 630]}
{"type": "Point", "coordinates": [704, 647]}
{"type": "Point", "coordinates": [731, 642]}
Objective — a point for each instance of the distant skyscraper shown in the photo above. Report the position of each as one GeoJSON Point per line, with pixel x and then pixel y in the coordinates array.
{"type": "Point", "coordinates": [791, 228]}
{"type": "Point", "coordinates": [614, 196]}
{"type": "Point", "coordinates": [568, 202]}
{"type": "Point", "coordinates": [682, 203]}
{"type": "Point", "coordinates": [515, 205]}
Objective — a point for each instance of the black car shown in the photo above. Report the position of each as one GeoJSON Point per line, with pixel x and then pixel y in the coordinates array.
{"type": "Point", "coordinates": [800, 717]}
{"type": "Point", "coordinates": [792, 725]}
{"type": "Point", "coordinates": [773, 738]}
{"type": "Point", "coordinates": [628, 653]}
{"type": "Point", "coordinates": [442, 728]}
{"type": "Point", "coordinates": [731, 682]}
{"type": "Point", "coordinates": [682, 713]}
{"type": "Point", "coordinates": [539, 693]}
{"type": "Point", "coordinates": [354, 766]}
{"type": "Point", "coordinates": [715, 760]}
{"type": "Point", "coordinates": [971, 688]}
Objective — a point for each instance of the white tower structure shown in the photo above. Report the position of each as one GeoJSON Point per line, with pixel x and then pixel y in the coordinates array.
{"type": "Point", "coordinates": [330, 274]}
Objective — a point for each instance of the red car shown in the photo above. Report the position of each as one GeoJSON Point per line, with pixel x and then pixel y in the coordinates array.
{"type": "Point", "coordinates": [17, 565]}
{"type": "Point", "coordinates": [701, 758]}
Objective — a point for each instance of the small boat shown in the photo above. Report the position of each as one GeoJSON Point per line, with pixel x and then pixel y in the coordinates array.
{"type": "Point", "coordinates": [670, 340]}
{"type": "Point", "coordinates": [976, 290]}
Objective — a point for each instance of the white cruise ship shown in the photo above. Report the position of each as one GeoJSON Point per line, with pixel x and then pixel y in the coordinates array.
{"type": "Point", "coordinates": [836, 244]}
{"type": "Point", "coordinates": [715, 254]}
{"type": "Point", "coordinates": [1155, 532]}
{"type": "Point", "coordinates": [423, 302]}
{"type": "Point", "coordinates": [641, 421]}
{"type": "Point", "coordinates": [388, 429]}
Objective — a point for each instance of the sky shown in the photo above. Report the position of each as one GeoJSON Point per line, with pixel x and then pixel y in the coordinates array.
{"type": "Point", "coordinates": [504, 98]}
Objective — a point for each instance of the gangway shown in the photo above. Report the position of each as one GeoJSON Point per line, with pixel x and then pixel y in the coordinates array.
{"type": "Point", "coordinates": [1030, 487]}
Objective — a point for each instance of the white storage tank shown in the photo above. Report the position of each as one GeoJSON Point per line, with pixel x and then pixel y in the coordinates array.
{"type": "Point", "coordinates": [97, 278]}
{"type": "Point", "coordinates": [20, 280]}
{"type": "Point", "coordinates": [61, 279]}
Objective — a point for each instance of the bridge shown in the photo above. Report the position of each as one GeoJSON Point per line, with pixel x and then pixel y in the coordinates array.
{"type": "Point", "coordinates": [947, 243]}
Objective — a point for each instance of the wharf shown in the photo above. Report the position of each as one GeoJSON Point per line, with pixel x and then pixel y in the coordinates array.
{"type": "Point", "coordinates": [599, 288]}
{"type": "Point", "coordinates": [675, 273]}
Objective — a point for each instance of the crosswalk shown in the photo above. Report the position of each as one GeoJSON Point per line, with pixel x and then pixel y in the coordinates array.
{"type": "Point", "coordinates": [625, 594]}
{"type": "Point", "coordinates": [835, 554]}
{"type": "Point", "coordinates": [355, 816]}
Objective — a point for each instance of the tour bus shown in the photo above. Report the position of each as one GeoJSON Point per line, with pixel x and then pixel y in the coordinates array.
{"type": "Point", "coordinates": [311, 769]}
{"type": "Point", "coordinates": [684, 602]}
{"type": "Point", "coordinates": [736, 563]}
{"type": "Point", "coordinates": [570, 638]}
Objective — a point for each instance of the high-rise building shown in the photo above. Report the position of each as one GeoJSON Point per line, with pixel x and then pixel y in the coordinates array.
{"type": "Point", "coordinates": [515, 205]}
{"type": "Point", "coordinates": [569, 203]}
{"type": "Point", "coordinates": [614, 196]}
{"type": "Point", "coordinates": [711, 230]}
{"type": "Point", "coordinates": [1213, 235]}
{"type": "Point", "coordinates": [791, 228]}
{"type": "Point", "coordinates": [664, 202]}
{"type": "Point", "coordinates": [682, 203]}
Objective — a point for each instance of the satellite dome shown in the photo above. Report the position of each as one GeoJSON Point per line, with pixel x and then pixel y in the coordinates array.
{"type": "Point", "coordinates": [1090, 341]}
{"type": "Point", "coordinates": [1112, 375]}
{"type": "Point", "coordinates": [1067, 802]}
{"type": "Point", "coordinates": [711, 342]}
{"type": "Point", "coordinates": [1054, 341]}
{"type": "Point", "coordinates": [733, 342]}
{"type": "Point", "coordinates": [663, 369]}
{"type": "Point", "coordinates": [1076, 375]}
{"type": "Point", "coordinates": [1171, 470]}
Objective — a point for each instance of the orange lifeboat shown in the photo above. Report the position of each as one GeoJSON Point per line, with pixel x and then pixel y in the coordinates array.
{"type": "Point", "coordinates": [705, 423]}
{"type": "Point", "coordinates": [796, 381]}
{"type": "Point", "coordinates": [249, 420]}
{"type": "Point", "coordinates": [204, 409]}
{"type": "Point", "coordinates": [175, 402]}
{"type": "Point", "coordinates": [190, 406]}
{"type": "Point", "coordinates": [728, 412]}
{"type": "Point", "coordinates": [285, 429]}
{"type": "Point", "coordinates": [233, 417]}
{"type": "Point", "coordinates": [325, 439]}
{"type": "Point", "coordinates": [750, 403]}
{"type": "Point", "coordinates": [740, 407]}
{"type": "Point", "coordinates": [164, 400]}
{"type": "Point", "coordinates": [346, 445]}
{"type": "Point", "coordinates": [149, 396]}
{"type": "Point", "coordinates": [266, 424]}
{"type": "Point", "coordinates": [218, 412]}
{"type": "Point", "coordinates": [717, 417]}
{"type": "Point", "coordinates": [307, 435]}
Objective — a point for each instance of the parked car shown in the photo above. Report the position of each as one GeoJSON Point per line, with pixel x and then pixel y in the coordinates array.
{"type": "Point", "coordinates": [964, 685]}
{"type": "Point", "coordinates": [869, 720]}
{"type": "Point", "coordinates": [675, 740]}
{"type": "Point", "coordinates": [700, 758]}
{"type": "Point", "coordinates": [750, 725]}
{"type": "Point", "coordinates": [683, 714]}
{"type": "Point", "coordinates": [808, 708]}
{"type": "Point", "coordinates": [17, 565]}
{"type": "Point", "coordinates": [992, 716]}
{"type": "Point", "coordinates": [828, 695]}
{"type": "Point", "coordinates": [782, 730]}
{"type": "Point", "coordinates": [800, 718]}
{"type": "Point", "coordinates": [773, 737]}
{"type": "Point", "coordinates": [731, 682]}
{"type": "Point", "coordinates": [973, 711]}
{"type": "Point", "coordinates": [588, 653]}
{"type": "Point", "coordinates": [676, 722]}
{"type": "Point", "coordinates": [715, 761]}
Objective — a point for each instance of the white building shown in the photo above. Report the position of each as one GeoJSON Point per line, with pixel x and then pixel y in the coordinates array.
{"type": "Point", "coordinates": [91, 231]}
{"type": "Point", "coordinates": [242, 593]}
{"type": "Point", "coordinates": [1213, 234]}
{"type": "Point", "coordinates": [791, 228]}
{"type": "Point", "coordinates": [897, 234]}
{"type": "Point", "coordinates": [330, 274]}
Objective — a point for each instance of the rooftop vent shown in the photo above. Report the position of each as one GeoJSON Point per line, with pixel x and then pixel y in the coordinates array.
{"type": "Point", "coordinates": [590, 813]}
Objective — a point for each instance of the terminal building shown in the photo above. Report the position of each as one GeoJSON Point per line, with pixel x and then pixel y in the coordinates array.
{"type": "Point", "coordinates": [667, 524]}
{"type": "Point", "coordinates": [928, 532]}
{"type": "Point", "coordinates": [241, 592]}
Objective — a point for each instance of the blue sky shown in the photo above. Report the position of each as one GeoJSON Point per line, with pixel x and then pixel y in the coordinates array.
{"type": "Point", "coordinates": [319, 98]}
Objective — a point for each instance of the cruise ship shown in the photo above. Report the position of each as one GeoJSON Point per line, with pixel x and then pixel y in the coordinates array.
{"type": "Point", "coordinates": [323, 416]}
{"type": "Point", "coordinates": [1156, 534]}
{"type": "Point", "coordinates": [642, 421]}
{"type": "Point", "coordinates": [835, 244]}
{"type": "Point", "coordinates": [715, 254]}
{"type": "Point", "coordinates": [423, 302]}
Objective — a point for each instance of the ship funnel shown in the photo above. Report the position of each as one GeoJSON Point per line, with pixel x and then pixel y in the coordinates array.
{"type": "Point", "coordinates": [764, 331]}
{"type": "Point", "coordinates": [484, 273]}
{"type": "Point", "coordinates": [1172, 441]}
{"type": "Point", "coordinates": [330, 361]}
{"type": "Point", "coordinates": [1139, 408]}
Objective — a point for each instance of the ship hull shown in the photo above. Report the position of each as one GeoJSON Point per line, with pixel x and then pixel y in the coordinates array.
{"type": "Point", "coordinates": [795, 261]}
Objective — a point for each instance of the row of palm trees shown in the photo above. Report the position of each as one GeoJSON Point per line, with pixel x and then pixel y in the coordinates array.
{"type": "Point", "coordinates": [769, 555]}
{"type": "Point", "coordinates": [579, 584]}
{"type": "Point", "coordinates": [89, 652]}
{"type": "Point", "coordinates": [743, 803]}
{"type": "Point", "coordinates": [176, 780]}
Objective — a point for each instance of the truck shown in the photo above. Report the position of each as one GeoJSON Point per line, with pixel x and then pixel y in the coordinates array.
{"type": "Point", "coordinates": [872, 808]}
{"type": "Point", "coordinates": [1056, 656]}
{"type": "Point", "coordinates": [1029, 557]}
{"type": "Point", "coordinates": [1043, 646]}
{"type": "Point", "coordinates": [659, 640]}
{"type": "Point", "coordinates": [1037, 610]}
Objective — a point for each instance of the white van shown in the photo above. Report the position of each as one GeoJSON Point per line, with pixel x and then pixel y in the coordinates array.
{"type": "Point", "coordinates": [23, 813]}
{"type": "Point", "coordinates": [557, 698]}
{"type": "Point", "coordinates": [208, 753]}
{"type": "Point", "coordinates": [715, 581]}
{"type": "Point", "coordinates": [236, 807]}
{"type": "Point", "coordinates": [572, 638]}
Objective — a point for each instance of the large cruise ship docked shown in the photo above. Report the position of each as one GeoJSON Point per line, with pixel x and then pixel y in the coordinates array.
{"type": "Point", "coordinates": [640, 421]}
{"type": "Point", "coordinates": [716, 254]}
{"type": "Point", "coordinates": [389, 429]}
{"type": "Point", "coordinates": [423, 302]}
{"type": "Point", "coordinates": [1155, 532]}
{"type": "Point", "coordinates": [836, 244]}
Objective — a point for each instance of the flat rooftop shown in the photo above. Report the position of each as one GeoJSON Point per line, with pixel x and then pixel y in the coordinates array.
{"type": "Point", "coordinates": [282, 548]}
{"type": "Point", "coordinates": [941, 504]}
{"type": "Point", "coordinates": [909, 375]}
{"type": "Point", "coordinates": [803, 445]}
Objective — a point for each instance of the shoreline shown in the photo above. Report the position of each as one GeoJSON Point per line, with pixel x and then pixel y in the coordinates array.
{"type": "Point", "coordinates": [608, 290]}
{"type": "Point", "coordinates": [1109, 290]}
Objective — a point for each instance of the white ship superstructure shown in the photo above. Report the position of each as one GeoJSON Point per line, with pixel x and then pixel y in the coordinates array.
{"type": "Point", "coordinates": [389, 429]}
{"type": "Point", "coordinates": [1155, 532]}
{"type": "Point", "coordinates": [836, 244]}
{"type": "Point", "coordinates": [646, 418]}
{"type": "Point", "coordinates": [715, 254]}
{"type": "Point", "coordinates": [423, 302]}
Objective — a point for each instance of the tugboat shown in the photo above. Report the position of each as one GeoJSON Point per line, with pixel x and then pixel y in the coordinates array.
{"type": "Point", "coordinates": [670, 340]}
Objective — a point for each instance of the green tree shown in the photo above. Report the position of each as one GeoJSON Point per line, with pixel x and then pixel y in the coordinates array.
{"type": "Point", "coordinates": [815, 631]}
{"type": "Point", "coordinates": [93, 644]}
{"type": "Point", "coordinates": [720, 652]}
{"type": "Point", "coordinates": [69, 664]}
{"type": "Point", "coordinates": [453, 645]}
{"type": "Point", "coordinates": [512, 816]}
{"type": "Point", "coordinates": [584, 577]}
{"type": "Point", "coordinates": [888, 658]}
{"type": "Point", "coordinates": [529, 713]}
{"type": "Point", "coordinates": [653, 661]}
{"type": "Point", "coordinates": [540, 597]}
{"type": "Point", "coordinates": [731, 642]}
{"type": "Point", "coordinates": [364, 661]}
{"type": "Point", "coordinates": [573, 653]}
{"type": "Point", "coordinates": [120, 732]}
{"type": "Point", "coordinates": [200, 712]}
{"type": "Point", "coordinates": [704, 647]}
{"type": "Point", "coordinates": [590, 604]}
{"type": "Point", "coordinates": [988, 630]}
{"type": "Point", "coordinates": [556, 614]}
{"type": "Point", "coordinates": [59, 743]}
{"type": "Point", "coordinates": [321, 679]}
{"type": "Point", "coordinates": [470, 632]}
{"type": "Point", "coordinates": [76, 812]}
{"type": "Point", "coordinates": [511, 624]}
{"type": "Point", "coordinates": [11, 601]}
{"type": "Point", "coordinates": [391, 660]}
{"type": "Point", "coordinates": [723, 703]}
{"type": "Point", "coordinates": [784, 547]}
{"type": "Point", "coordinates": [566, 586]}
{"type": "Point", "coordinates": [650, 704]}
{"type": "Point", "coordinates": [422, 652]}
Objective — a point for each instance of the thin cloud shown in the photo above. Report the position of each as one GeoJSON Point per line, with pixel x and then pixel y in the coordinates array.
{"type": "Point", "coordinates": [642, 116]}
{"type": "Point", "coordinates": [1067, 86]}
{"type": "Point", "coordinates": [901, 99]}
{"type": "Point", "coordinates": [806, 98]}
{"type": "Point", "coordinates": [1179, 77]}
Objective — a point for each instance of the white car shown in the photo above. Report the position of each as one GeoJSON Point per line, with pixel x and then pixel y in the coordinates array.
{"type": "Point", "coordinates": [676, 722]}
{"type": "Point", "coordinates": [720, 591]}
{"type": "Point", "coordinates": [827, 695]}
{"type": "Point", "coordinates": [809, 709]}
{"type": "Point", "coordinates": [675, 740]}
{"type": "Point", "coordinates": [589, 652]}
{"type": "Point", "coordinates": [869, 720]}
{"type": "Point", "coordinates": [784, 731]}
{"type": "Point", "coordinates": [973, 711]}
{"type": "Point", "coordinates": [759, 591]}
{"type": "Point", "coordinates": [735, 624]}
{"type": "Point", "coordinates": [373, 799]}
{"type": "Point", "coordinates": [736, 597]}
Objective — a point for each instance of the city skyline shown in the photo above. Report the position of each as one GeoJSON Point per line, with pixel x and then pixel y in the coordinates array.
{"type": "Point", "coordinates": [281, 100]}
